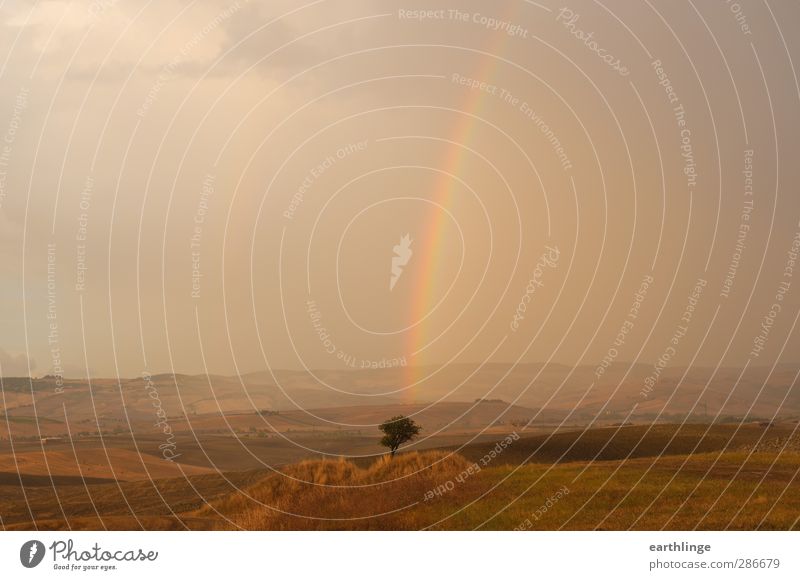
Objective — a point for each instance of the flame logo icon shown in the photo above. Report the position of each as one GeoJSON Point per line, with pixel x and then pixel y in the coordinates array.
{"type": "Point", "coordinates": [31, 553]}
{"type": "Point", "coordinates": [402, 254]}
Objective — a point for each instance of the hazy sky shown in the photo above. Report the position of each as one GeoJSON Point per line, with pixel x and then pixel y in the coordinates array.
{"type": "Point", "coordinates": [223, 186]}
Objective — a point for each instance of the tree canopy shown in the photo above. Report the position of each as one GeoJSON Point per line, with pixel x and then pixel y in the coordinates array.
{"type": "Point", "coordinates": [398, 430]}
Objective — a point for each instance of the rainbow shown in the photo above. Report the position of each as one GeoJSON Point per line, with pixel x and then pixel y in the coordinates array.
{"type": "Point", "coordinates": [429, 245]}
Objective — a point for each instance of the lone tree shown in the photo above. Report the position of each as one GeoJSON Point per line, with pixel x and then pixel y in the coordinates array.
{"type": "Point", "coordinates": [397, 431]}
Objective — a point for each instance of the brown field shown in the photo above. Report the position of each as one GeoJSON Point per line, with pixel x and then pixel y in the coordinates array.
{"type": "Point", "coordinates": [639, 477]}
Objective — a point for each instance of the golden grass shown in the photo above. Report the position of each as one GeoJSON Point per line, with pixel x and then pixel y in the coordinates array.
{"type": "Point", "coordinates": [710, 489]}
{"type": "Point", "coordinates": [338, 494]}
{"type": "Point", "coordinates": [644, 493]}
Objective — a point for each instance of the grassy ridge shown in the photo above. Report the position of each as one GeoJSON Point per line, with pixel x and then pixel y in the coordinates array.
{"type": "Point", "coordinates": [678, 492]}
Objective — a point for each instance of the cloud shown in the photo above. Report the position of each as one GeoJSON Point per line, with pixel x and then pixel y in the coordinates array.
{"type": "Point", "coordinates": [15, 365]}
{"type": "Point", "coordinates": [76, 39]}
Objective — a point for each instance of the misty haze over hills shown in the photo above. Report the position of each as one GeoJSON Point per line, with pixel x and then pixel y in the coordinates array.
{"type": "Point", "coordinates": [551, 392]}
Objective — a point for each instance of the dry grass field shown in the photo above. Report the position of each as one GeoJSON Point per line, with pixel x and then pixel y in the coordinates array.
{"type": "Point", "coordinates": [705, 491]}
{"type": "Point", "coordinates": [634, 477]}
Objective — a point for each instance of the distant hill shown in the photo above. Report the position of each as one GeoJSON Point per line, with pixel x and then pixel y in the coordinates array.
{"type": "Point", "coordinates": [552, 392]}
